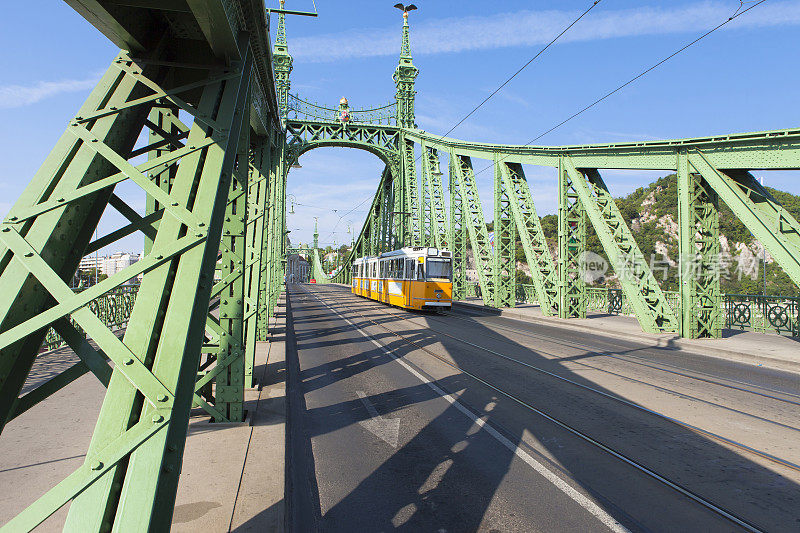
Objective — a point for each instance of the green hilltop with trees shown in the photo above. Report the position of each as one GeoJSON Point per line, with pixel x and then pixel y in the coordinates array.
{"type": "Point", "coordinates": [651, 213]}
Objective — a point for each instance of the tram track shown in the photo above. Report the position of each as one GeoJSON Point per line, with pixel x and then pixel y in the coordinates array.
{"type": "Point", "coordinates": [719, 438]}
{"type": "Point", "coordinates": [676, 486]}
{"type": "Point", "coordinates": [702, 377]}
{"type": "Point", "coordinates": [402, 316]}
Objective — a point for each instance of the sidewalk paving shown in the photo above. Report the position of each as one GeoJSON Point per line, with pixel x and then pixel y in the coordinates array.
{"type": "Point", "coordinates": [763, 349]}
{"type": "Point", "coordinates": [233, 474]}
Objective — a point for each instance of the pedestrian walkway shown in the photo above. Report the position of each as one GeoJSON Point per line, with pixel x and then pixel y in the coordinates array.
{"type": "Point", "coordinates": [232, 477]}
{"type": "Point", "coordinates": [763, 349]}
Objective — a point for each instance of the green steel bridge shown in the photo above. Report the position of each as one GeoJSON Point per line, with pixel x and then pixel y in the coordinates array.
{"type": "Point", "coordinates": [223, 130]}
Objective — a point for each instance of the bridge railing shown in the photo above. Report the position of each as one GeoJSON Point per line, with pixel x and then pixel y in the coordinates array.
{"type": "Point", "coordinates": [300, 109]}
{"type": "Point", "coordinates": [765, 314]}
{"type": "Point", "coordinates": [113, 309]}
{"type": "Point", "coordinates": [745, 312]}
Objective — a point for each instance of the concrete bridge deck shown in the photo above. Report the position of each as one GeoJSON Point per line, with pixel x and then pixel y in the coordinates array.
{"type": "Point", "coordinates": [465, 421]}
{"type": "Point", "coordinates": [424, 422]}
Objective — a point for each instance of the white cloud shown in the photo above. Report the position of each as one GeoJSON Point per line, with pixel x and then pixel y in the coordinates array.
{"type": "Point", "coordinates": [22, 95]}
{"type": "Point", "coordinates": [526, 28]}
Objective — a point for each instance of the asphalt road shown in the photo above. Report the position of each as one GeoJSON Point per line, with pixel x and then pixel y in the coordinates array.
{"type": "Point", "coordinates": [421, 422]}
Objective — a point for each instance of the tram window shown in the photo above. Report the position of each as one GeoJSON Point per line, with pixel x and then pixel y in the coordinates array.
{"type": "Point", "coordinates": [439, 269]}
{"type": "Point", "coordinates": [420, 271]}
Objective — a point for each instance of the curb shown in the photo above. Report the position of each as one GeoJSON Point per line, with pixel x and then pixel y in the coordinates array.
{"type": "Point", "coordinates": [665, 341]}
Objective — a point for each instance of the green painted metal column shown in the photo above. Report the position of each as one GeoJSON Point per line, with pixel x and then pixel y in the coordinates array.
{"type": "Point", "coordinates": [165, 135]}
{"type": "Point", "coordinates": [475, 223]}
{"type": "Point", "coordinates": [457, 233]}
{"type": "Point", "coordinates": [145, 419]}
{"type": "Point", "coordinates": [411, 205]}
{"type": "Point", "coordinates": [534, 242]}
{"type": "Point", "coordinates": [504, 265]}
{"type": "Point", "coordinates": [438, 217]}
{"type": "Point", "coordinates": [254, 248]}
{"type": "Point", "coordinates": [571, 248]}
{"type": "Point", "coordinates": [698, 214]}
{"type": "Point", "coordinates": [230, 364]}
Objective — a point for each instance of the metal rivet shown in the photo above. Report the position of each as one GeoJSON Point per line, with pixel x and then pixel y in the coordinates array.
{"type": "Point", "coordinates": [201, 224]}
{"type": "Point", "coordinates": [128, 361]}
{"type": "Point", "coordinates": [162, 398]}
{"type": "Point", "coordinates": [198, 235]}
{"type": "Point", "coordinates": [158, 418]}
{"type": "Point", "coordinates": [29, 254]}
{"type": "Point", "coordinates": [13, 219]}
{"type": "Point", "coordinates": [97, 465]}
{"type": "Point", "coordinates": [172, 448]}
{"type": "Point", "coordinates": [5, 230]}
{"type": "Point", "coordinates": [61, 200]}
{"type": "Point", "coordinates": [159, 257]}
{"type": "Point", "coordinates": [174, 204]}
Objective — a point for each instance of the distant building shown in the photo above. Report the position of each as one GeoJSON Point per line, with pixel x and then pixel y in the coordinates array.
{"type": "Point", "coordinates": [108, 264]}
{"type": "Point", "coordinates": [91, 262]}
{"type": "Point", "coordinates": [297, 269]}
{"type": "Point", "coordinates": [116, 262]}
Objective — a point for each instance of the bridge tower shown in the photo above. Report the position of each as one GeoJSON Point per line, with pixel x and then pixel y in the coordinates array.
{"type": "Point", "coordinates": [408, 224]}
{"type": "Point", "coordinates": [282, 65]}
{"type": "Point", "coordinates": [404, 78]}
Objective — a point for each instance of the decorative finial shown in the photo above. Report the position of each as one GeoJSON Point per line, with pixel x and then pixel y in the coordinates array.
{"type": "Point", "coordinates": [405, 9]}
{"type": "Point", "coordinates": [343, 101]}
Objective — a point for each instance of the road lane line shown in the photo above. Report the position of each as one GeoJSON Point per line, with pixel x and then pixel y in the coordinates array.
{"type": "Point", "coordinates": [589, 505]}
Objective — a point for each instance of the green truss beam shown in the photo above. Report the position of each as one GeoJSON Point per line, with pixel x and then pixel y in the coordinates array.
{"type": "Point", "coordinates": [635, 278]}
{"type": "Point", "coordinates": [475, 224]}
{"type": "Point", "coordinates": [534, 243]}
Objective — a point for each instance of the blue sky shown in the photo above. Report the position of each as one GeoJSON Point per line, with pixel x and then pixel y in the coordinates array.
{"type": "Point", "coordinates": [741, 78]}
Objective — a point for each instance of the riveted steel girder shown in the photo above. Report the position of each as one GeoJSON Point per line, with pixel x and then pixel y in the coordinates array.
{"type": "Point", "coordinates": [504, 268]}
{"type": "Point", "coordinates": [411, 207]}
{"type": "Point", "coordinates": [636, 279]}
{"type": "Point", "coordinates": [698, 214]}
{"type": "Point", "coordinates": [534, 243]}
{"type": "Point", "coordinates": [571, 248]}
{"type": "Point", "coordinates": [476, 224]}
{"type": "Point", "coordinates": [457, 232]}
{"type": "Point", "coordinates": [757, 209]}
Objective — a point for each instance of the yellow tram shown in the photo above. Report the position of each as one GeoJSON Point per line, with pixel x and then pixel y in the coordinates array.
{"type": "Point", "coordinates": [411, 278]}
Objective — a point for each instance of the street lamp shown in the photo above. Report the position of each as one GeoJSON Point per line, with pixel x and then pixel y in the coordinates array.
{"type": "Point", "coordinates": [292, 198]}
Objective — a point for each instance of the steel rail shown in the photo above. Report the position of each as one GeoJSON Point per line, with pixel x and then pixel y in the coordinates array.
{"type": "Point", "coordinates": [691, 427]}
{"type": "Point", "coordinates": [640, 362]}
{"type": "Point", "coordinates": [717, 509]}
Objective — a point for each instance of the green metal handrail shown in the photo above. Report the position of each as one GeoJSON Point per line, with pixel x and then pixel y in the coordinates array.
{"type": "Point", "coordinates": [300, 109]}
{"type": "Point", "coordinates": [113, 308]}
{"type": "Point", "coordinates": [752, 312]}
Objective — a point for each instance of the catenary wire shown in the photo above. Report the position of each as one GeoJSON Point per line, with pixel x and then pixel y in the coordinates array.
{"type": "Point", "coordinates": [523, 67]}
{"type": "Point", "coordinates": [739, 12]}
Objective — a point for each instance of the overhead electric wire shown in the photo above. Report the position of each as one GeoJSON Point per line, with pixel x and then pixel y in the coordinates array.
{"type": "Point", "coordinates": [351, 211]}
{"type": "Point", "coordinates": [523, 67]}
{"type": "Point", "coordinates": [738, 13]}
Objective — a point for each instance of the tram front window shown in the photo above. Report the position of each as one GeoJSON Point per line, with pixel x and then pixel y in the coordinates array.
{"type": "Point", "coordinates": [439, 269]}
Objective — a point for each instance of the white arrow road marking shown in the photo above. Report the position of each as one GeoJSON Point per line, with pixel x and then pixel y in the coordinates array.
{"type": "Point", "coordinates": [386, 429]}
